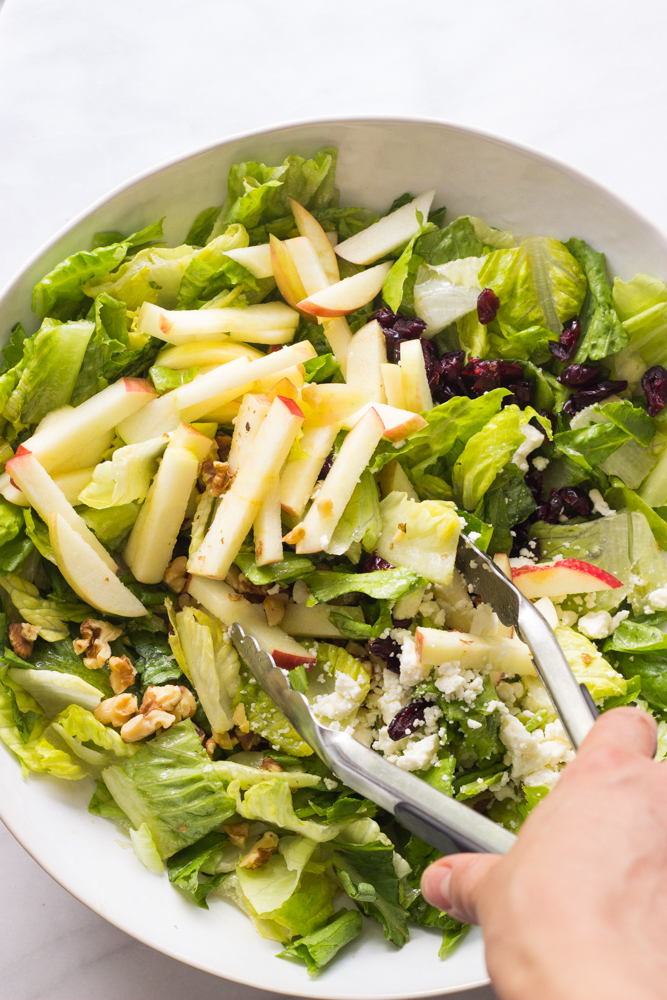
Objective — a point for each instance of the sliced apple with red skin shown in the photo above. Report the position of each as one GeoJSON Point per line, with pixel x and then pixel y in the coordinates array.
{"type": "Point", "coordinates": [388, 234]}
{"type": "Point", "coordinates": [312, 274]}
{"type": "Point", "coordinates": [346, 295]}
{"type": "Point", "coordinates": [45, 496]}
{"type": "Point", "coordinates": [88, 575]}
{"type": "Point", "coordinates": [338, 333]}
{"type": "Point", "coordinates": [366, 354]}
{"type": "Point", "coordinates": [298, 477]}
{"type": "Point", "coordinates": [566, 576]}
{"type": "Point", "coordinates": [393, 479]}
{"type": "Point", "coordinates": [392, 383]}
{"type": "Point", "coordinates": [435, 646]}
{"type": "Point", "coordinates": [267, 529]}
{"type": "Point", "coordinates": [207, 393]}
{"type": "Point", "coordinates": [308, 226]}
{"type": "Point", "coordinates": [331, 402]}
{"type": "Point", "coordinates": [241, 503]}
{"type": "Point", "coordinates": [220, 600]}
{"type": "Point", "coordinates": [254, 407]}
{"type": "Point", "coordinates": [416, 391]}
{"type": "Point", "coordinates": [187, 436]}
{"type": "Point", "coordinates": [285, 272]}
{"type": "Point", "coordinates": [314, 533]}
{"type": "Point", "coordinates": [158, 417]}
{"type": "Point", "coordinates": [257, 259]}
{"type": "Point", "coordinates": [205, 352]}
{"type": "Point", "coordinates": [60, 445]}
{"type": "Point", "coordinates": [398, 424]}
{"type": "Point", "coordinates": [183, 326]}
{"type": "Point", "coordinates": [151, 543]}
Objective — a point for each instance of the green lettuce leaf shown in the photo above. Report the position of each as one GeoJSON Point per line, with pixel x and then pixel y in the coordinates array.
{"type": "Point", "coordinates": [166, 379]}
{"type": "Point", "coordinates": [60, 293]}
{"type": "Point", "coordinates": [320, 947]}
{"type": "Point", "coordinates": [34, 608]}
{"type": "Point", "coordinates": [271, 802]}
{"type": "Point", "coordinates": [600, 326]}
{"type": "Point", "coordinates": [292, 567]}
{"type": "Point", "coordinates": [641, 305]}
{"type": "Point", "coordinates": [361, 521]}
{"type": "Point", "coordinates": [323, 368]}
{"type": "Point", "coordinates": [171, 786]}
{"type": "Point", "coordinates": [109, 338]}
{"type": "Point", "coordinates": [102, 804]}
{"type": "Point", "coordinates": [589, 666]}
{"type": "Point", "coordinates": [630, 637]}
{"type": "Point", "coordinates": [11, 520]}
{"type": "Point", "coordinates": [185, 867]}
{"type": "Point", "coordinates": [507, 502]}
{"type": "Point", "coordinates": [126, 477]}
{"type": "Point", "coordinates": [389, 584]}
{"type": "Point", "coordinates": [651, 668]}
{"type": "Point", "coordinates": [267, 720]}
{"type": "Point", "coordinates": [36, 753]}
{"type": "Point", "coordinates": [420, 536]}
{"type": "Point", "coordinates": [111, 525]}
{"type": "Point", "coordinates": [457, 240]}
{"type": "Point", "coordinates": [366, 873]}
{"type": "Point", "coordinates": [61, 656]}
{"type": "Point", "coordinates": [157, 663]}
{"type": "Point", "coordinates": [619, 496]}
{"type": "Point", "coordinates": [212, 665]}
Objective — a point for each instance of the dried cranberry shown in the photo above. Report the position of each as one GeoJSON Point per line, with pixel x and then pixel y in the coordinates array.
{"type": "Point", "coordinates": [579, 400]}
{"type": "Point", "coordinates": [484, 374]}
{"type": "Point", "coordinates": [488, 305]}
{"type": "Point", "coordinates": [575, 376]}
{"type": "Point", "coordinates": [654, 386]}
{"type": "Point", "coordinates": [566, 346]}
{"type": "Point", "coordinates": [328, 462]}
{"type": "Point", "coordinates": [389, 651]}
{"type": "Point", "coordinates": [519, 539]}
{"type": "Point", "coordinates": [406, 721]}
{"type": "Point", "coordinates": [552, 509]}
{"type": "Point", "coordinates": [373, 562]}
{"type": "Point", "coordinates": [522, 394]}
{"type": "Point", "coordinates": [534, 479]}
{"type": "Point", "coordinates": [402, 622]}
{"type": "Point", "coordinates": [396, 329]}
{"type": "Point", "coordinates": [385, 316]}
{"type": "Point", "coordinates": [449, 382]}
{"type": "Point", "coordinates": [577, 500]}
{"type": "Point", "coordinates": [431, 362]}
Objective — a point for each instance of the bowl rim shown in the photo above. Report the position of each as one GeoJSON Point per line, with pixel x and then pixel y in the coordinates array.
{"type": "Point", "coordinates": [282, 126]}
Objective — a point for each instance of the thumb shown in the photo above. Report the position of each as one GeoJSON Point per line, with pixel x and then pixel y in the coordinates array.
{"type": "Point", "coordinates": [452, 883]}
{"type": "Point", "coordinates": [630, 728]}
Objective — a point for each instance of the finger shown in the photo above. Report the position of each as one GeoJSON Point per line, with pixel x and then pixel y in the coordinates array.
{"type": "Point", "coordinates": [629, 728]}
{"type": "Point", "coordinates": [452, 883]}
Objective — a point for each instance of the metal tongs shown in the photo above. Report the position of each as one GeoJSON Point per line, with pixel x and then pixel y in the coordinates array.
{"type": "Point", "coordinates": [435, 817]}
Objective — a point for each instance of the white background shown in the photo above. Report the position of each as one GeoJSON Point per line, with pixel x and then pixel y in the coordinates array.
{"type": "Point", "coordinates": [92, 92]}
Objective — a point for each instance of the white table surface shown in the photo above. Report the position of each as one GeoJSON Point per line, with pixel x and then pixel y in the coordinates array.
{"type": "Point", "coordinates": [93, 92]}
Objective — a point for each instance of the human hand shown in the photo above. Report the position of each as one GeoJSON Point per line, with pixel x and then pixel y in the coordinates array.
{"type": "Point", "coordinates": [578, 908]}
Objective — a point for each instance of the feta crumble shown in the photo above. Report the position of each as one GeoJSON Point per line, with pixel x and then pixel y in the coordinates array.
{"type": "Point", "coordinates": [532, 440]}
{"type": "Point", "coordinates": [419, 755]}
{"type": "Point", "coordinates": [599, 504]}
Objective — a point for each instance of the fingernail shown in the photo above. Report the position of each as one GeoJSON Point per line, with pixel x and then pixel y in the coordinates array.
{"type": "Point", "coordinates": [435, 885]}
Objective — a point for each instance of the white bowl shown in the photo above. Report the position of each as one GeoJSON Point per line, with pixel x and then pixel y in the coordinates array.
{"type": "Point", "coordinates": [507, 186]}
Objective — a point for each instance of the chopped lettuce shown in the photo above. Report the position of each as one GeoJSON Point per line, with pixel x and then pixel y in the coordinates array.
{"type": "Point", "coordinates": [60, 656]}
{"type": "Point", "coordinates": [291, 567]}
{"type": "Point", "coordinates": [55, 690]}
{"type": "Point", "coordinates": [126, 477]}
{"type": "Point", "coordinates": [185, 867]}
{"type": "Point", "coordinates": [11, 520]}
{"type": "Point", "coordinates": [213, 665]}
{"type": "Point", "coordinates": [102, 804]}
{"type": "Point", "coordinates": [157, 663]}
{"type": "Point", "coordinates": [368, 876]}
{"type": "Point", "coordinates": [389, 584]}
{"type": "Point", "coordinates": [320, 947]}
{"type": "Point", "coordinates": [145, 849]}
{"type": "Point", "coordinates": [166, 379]}
{"type": "Point", "coordinates": [271, 802]}
{"type": "Point", "coordinates": [332, 662]}
{"type": "Point", "coordinates": [171, 785]}
{"type": "Point", "coordinates": [420, 536]}
{"type": "Point", "coordinates": [267, 720]}
{"type": "Point", "coordinates": [602, 333]}
{"type": "Point", "coordinates": [112, 525]}
{"type": "Point", "coordinates": [34, 752]}
{"type": "Point", "coordinates": [34, 608]}
{"type": "Point", "coordinates": [641, 305]}
{"type": "Point", "coordinates": [589, 666]}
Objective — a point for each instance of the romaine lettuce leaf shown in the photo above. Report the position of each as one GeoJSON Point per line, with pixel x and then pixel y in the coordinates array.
{"type": "Point", "coordinates": [320, 947]}
{"type": "Point", "coordinates": [61, 656]}
{"type": "Point", "coordinates": [333, 661]}
{"type": "Point", "coordinates": [157, 663]}
{"type": "Point", "coordinates": [507, 502]}
{"type": "Point", "coordinates": [292, 567]}
{"type": "Point", "coordinates": [185, 867]}
{"type": "Point", "coordinates": [60, 293]}
{"type": "Point", "coordinates": [210, 271]}
{"type": "Point", "coordinates": [421, 537]}
{"type": "Point", "coordinates": [619, 496]}
{"type": "Point", "coordinates": [457, 240]}
{"type": "Point", "coordinates": [11, 520]}
{"type": "Point", "coordinates": [271, 802]}
{"type": "Point", "coordinates": [267, 720]}
{"type": "Point", "coordinates": [634, 637]}
{"type": "Point", "coordinates": [266, 888]}
{"type": "Point", "coordinates": [166, 379]}
{"type": "Point", "coordinates": [602, 332]}
{"type": "Point", "coordinates": [366, 873]}
{"type": "Point", "coordinates": [651, 668]}
{"type": "Point", "coordinates": [109, 338]}
{"type": "Point", "coordinates": [389, 584]}
{"type": "Point", "coordinates": [589, 666]}
{"type": "Point", "coordinates": [145, 849]}
{"type": "Point", "coordinates": [213, 665]}
{"type": "Point", "coordinates": [102, 804]}
{"type": "Point", "coordinates": [641, 305]}
{"type": "Point", "coordinates": [34, 608]}
{"type": "Point", "coordinates": [152, 275]}
{"type": "Point", "coordinates": [55, 690]}
{"type": "Point", "coordinates": [35, 753]}
{"type": "Point", "coordinates": [126, 477]}
{"type": "Point", "coordinates": [171, 786]}
{"type": "Point", "coordinates": [111, 525]}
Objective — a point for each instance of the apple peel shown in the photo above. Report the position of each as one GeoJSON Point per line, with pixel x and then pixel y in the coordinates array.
{"type": "Point", "coordinates": [560, 578]}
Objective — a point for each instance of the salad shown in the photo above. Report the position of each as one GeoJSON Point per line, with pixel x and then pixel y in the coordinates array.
{"type": "Point", "coordinates": [286, 422]}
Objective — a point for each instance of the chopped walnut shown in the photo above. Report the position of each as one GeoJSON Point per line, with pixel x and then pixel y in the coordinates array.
{"type": "Point", "coordinates": [164, 696]}
{"type": "Point", "coordinates": [227, 741]}
{"type": "Point", "coordinates": [145, 725]}
{"type": "Point", "coordinates": [22, 638]}
{"type": "Point", "coordinates": [215, 476]}
{"type": "Point", "coordinates": [274, 608]}
{"type": "Point", "coordinates": [237, 833]}
{"type": "Point", "coordinates": [117, 710]}
{"type": "Point", "coordinates": [296, 535]}
{"type": "Point", "coordinates": [209, 746]}
{"type": "Point", "coordinates": [260, 852]}
{"type": "Point", "coordinates": [240, 718]}
{"type": "Point", "coordinates": [248, 741]}
{"type": "Point", "coordinates": [187, 706]}
{"type": "Point", "coordinates": [176, 574]}
{"type": "Point", "coordinates": [95, 642]}
{"type": "Point", "coordinates": [269, 764]}
{"type": "Point", "coordinates": [224, 443]}
{"type": "Point", "coordinates": [122, 673]}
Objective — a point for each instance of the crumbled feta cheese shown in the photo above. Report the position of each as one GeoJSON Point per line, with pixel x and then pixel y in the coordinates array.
{"type": "Point", "coordinates": [599, 504]}
{"type": "Point", "coordinates": [412, 669]}
{"type": "Point", "coordinates": [473, 535]}
{"type": "Point", "coordinates": [595, 625]}
{"type": "Point", "coordinates": [419, 755]}
{"type": "Point", "coordinates": [343, 700]}
{"type": "Point", "coordinates": [474, 724]}
{"type": "Point", "coordinates": [484, 621]}
{"type": "Point", "coordinates": [533, 439]}
{"type": "Point", "coordinates": [300, 592]}
{"type": "Point", "coordinates": [619, 617]}
{"type": "Point", "coordinates": [538, 751]}
{"type": "Point", "coordinates": [330, 784]}
{"type": "Point", "coordinates": [394, 696]}
{"type": "Point", "coordinates": [540, 463]}
{"type": "Point", "coordinates": [457, 684]}
{"type": "Point", "coordinates": [658, 598]}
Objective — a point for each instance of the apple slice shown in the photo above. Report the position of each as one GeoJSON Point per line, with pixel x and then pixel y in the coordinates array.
{"type": "Point", "coordinates": [224, 603]}
{"type": "Point", "coordinates": [398, 424]}
{"type": "Point", "coordinates": [388, 233]}
{"type": "Point", "coordinates": [73, 483]}
{"type": "Point", "coordinates": [393, 479]}
{"type": "Point", "coordinates": [314, 622]}
{"type": "Point", "coordinates": [185, 325]}
{"type": "Point", "coordinates": [267, 529]}
{"type": "Point", "coordinates": [308, 226]}
{"type": "Point", "coordinates": [392, 383]}
{"type": "Point", "coordinates": [241, 503]}
{"type": "Point", "coordinates": [88, 575]}
{"type": "Point", "coordinates": [187, 436]}
{"type": "Point", "coordinates": [331, 402]}
{"type": "Point", "coordinates": [314, 533]}
{"type": "Point", "coordinates": [285, 335]}
{"type": "Point", "coordinates": [47, 499]}
{"type": "Point", "coordinates": [158, 417]}
{"type": "Point", "coordinates": [59, 446]}
{"type": "Point", "coordinates": [151, 543]}
{"type": "Point", "coordinates": [435, 646]}
{"type": "Point", "coordinates": [416, 391]}
{"type": "Point", "coordinates": [338, 333]}
{"type": "Point", "coordinates": [205, 352]}
{"type": "Point", "coordinates": [285, 272]}
{"type": "Point", "coordinates": [293, 375]}
{"type": "Point", "coordinates": [257, 259]}
{"type": "Point", "coordinates": [299, 475]}
{"type": "Point", "coordinates": [252, 412]}
{"type": "Point", "coordinates": [205, 394]}
{"type": "Point", "coordinates": [566, 576]}
{"type": "Point", "coordinates": [308, 264]}
{"type": "Point", "coordinates": [366, 354]}
{"type": "Point", "coordinates": [347, 295]}
{"type": "Point", "coordinates": [225, 414]}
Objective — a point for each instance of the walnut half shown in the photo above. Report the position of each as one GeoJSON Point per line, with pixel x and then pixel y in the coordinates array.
{"type": "Point", "coordinates": [22, 638]}
{"type": "Point", "coordinates": [117, 710]}
{"type": "Point", "coordinates": [94, 644]}
{"type": "Point", "coordinates": [145, 725]}
{"type": "Point", "coordinates": [260, 852]}
{"type": "Point", "coordinates": [121, 673]}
